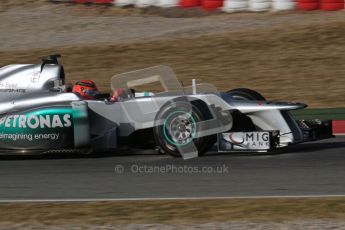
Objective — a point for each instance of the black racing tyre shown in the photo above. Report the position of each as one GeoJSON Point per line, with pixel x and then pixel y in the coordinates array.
{"type": "Point", "coordinates": [241, 122]}
{"type": "Point", "coordinates": [178, 125]}
{"type": "Point", "coordinates": [246, 94]}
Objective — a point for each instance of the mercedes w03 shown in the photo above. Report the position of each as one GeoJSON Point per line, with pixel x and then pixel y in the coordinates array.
{"type": "Point", "coordinates": [40, 113]}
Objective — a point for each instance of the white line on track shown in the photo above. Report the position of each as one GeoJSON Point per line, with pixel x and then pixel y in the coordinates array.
{"type": "Point", "coordinates": [163, 199]}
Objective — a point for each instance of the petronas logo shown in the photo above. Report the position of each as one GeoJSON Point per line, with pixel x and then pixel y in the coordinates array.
{"type": "Point", "coordinates": [36, 121]}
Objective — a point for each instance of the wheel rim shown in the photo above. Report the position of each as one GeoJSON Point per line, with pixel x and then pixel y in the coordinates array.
{"type": "Point", "coordinates": [179, 128]}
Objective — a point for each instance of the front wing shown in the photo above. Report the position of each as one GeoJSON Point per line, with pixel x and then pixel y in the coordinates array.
{"type": "Point", "coordinates": [269, 140]}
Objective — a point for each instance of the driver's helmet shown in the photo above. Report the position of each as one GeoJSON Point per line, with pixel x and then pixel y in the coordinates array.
{"type": "Point", "coordinates": [87, 89]}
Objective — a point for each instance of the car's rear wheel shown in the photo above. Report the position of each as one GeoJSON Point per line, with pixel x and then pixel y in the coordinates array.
{"type": "Point", "coordinates": [246, 94]}
{"type": "Point", "coordinates": [178, 127]}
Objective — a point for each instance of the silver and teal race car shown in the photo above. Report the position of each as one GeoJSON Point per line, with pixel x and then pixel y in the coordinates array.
{"type": "Point", "coordinates": [41, 113]}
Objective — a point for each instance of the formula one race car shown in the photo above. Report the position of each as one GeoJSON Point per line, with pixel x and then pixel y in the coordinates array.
{"type": "Point", "coordinates": [40, 113]}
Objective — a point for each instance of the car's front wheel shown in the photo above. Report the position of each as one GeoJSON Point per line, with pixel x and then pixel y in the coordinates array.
{"type": "Point", "coordinates": [176, 131]}
{"type": "Point", "coordinates": [246, 94]}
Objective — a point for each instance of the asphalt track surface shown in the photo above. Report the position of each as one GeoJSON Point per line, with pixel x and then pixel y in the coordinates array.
{"type": "Point", "coordinates": [309, 169]}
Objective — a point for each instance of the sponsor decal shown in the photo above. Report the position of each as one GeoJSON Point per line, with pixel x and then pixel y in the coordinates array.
{"type": "Point", "coordinates": [38, 129]}
{"type": "Point", "coordinates": [12, 90]}
{"type": "Point", "coordinates": [257, 139]}
{"type": "Point", "coordinates": [36, 121]}
{"type": "Point", "coordinates": [236, 139]}
{"type": "Point", "coordinates": [29, 136]}
{"type": "Point", "coordinates": [244, 141]}
{"type": "Point", "coordinates": [9, 87]}
{"type": "Point", "coordinates": [35, 77]}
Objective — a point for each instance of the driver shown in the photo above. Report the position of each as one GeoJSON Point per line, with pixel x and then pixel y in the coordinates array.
{"type": "Point", "coordinates": [86, 89]}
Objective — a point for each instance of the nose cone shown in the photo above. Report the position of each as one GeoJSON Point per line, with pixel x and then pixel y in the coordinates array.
{"type": "Point", "coordinates": [256, 106]}
{"type": "Point", "coordinates": [286, 105]}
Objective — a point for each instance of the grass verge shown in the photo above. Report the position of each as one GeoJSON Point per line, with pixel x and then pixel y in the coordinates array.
{"type": "Point", "coordinates": [323, 114]}
{"type": "Point", "coordinates": [181, 211]}
{"type": "Point", "coordinates": [303, 63]}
